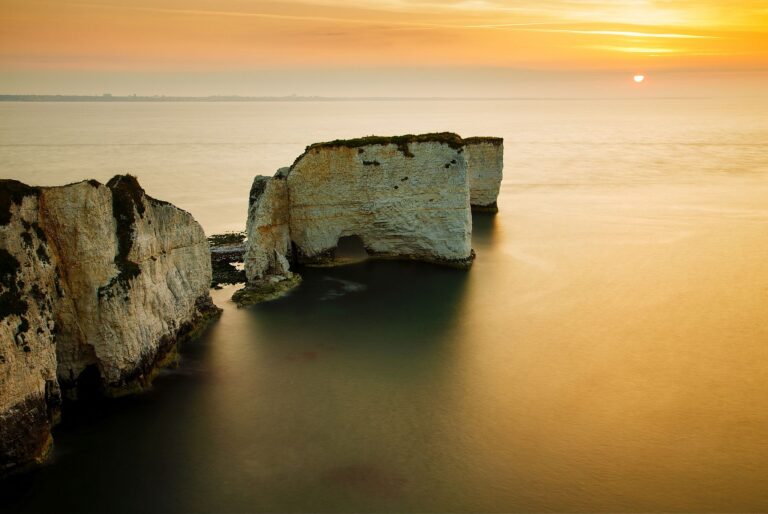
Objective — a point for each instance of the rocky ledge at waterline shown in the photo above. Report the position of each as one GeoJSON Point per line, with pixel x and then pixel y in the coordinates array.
{"type": "Point", "coordinates": [403, 197]}
{"type": "Point", "coordinates": [98, 284]}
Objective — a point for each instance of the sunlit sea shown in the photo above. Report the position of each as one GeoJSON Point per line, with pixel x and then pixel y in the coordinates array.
{"type": "Point", "coordinates": [608, 350]}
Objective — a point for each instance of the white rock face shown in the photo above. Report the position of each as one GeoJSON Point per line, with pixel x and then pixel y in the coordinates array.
{"type": "Point", "coordinates": [407, 200]}
{"type": "Point", "coordinates": [29, 391]}
{"type": "Point", "coordinates": [267, 228]}
{"type": "Point", "coordinates": [485, 164]}
{"type": "Point", "coordinates": [404, 197]}
{"type": "Point", "coordinates": [111, 278]}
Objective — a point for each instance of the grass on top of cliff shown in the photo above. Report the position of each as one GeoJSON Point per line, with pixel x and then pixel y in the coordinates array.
{"type": "Point", "coordinates": [496, 141]}
{"type": "Point", "coordinates": [449, 138]}
{"type": "Point", "coordinates": [13, 192]}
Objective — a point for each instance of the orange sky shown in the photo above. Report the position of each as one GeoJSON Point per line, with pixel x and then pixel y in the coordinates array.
{"type": "Point", "coordinates": [226, 35]}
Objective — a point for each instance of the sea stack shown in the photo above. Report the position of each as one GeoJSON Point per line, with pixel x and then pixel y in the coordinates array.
{"type": "Point", "coordinates": [97, 285]}
{"type": "Point", "coordinates": [404, 197]}
{"type": "Point", "coordinates": [485, 165]}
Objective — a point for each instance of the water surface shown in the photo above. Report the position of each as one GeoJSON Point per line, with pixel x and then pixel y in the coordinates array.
{"type": "Point", "coordinates": [607, 351]}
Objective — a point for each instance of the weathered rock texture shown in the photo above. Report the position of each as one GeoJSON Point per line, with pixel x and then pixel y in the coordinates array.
{"type": "Point", "coordinates": [97, 284]}
{"type": "Point", "coordinates": [267, 228]}
{"type": "Point", "coordinates": [404, 197]}
{"type": "Point", "coordinates": [485, 163]}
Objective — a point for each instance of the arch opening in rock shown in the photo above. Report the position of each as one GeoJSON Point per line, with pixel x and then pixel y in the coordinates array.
{"type": "Point", "coordinates": [350, 249]}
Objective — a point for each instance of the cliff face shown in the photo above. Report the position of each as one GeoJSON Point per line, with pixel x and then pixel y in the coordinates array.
{"type": "Point", "coordinates": [404, 197]}
{"type": "Point", "coordinates": [98, 284]}
{"type": "Point", "coordinates": [267, 228]}
{"type": "Point", "coordinates": [485, 163]}
{"type": "Point", "coordinates": [29, 391]}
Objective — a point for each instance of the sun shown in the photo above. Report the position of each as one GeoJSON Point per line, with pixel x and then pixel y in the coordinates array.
{"type": "Point", "coordinates": [638, 78]}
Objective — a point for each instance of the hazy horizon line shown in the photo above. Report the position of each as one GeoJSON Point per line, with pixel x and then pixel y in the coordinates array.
{"type": "Point", "coordinates": [13, 97]}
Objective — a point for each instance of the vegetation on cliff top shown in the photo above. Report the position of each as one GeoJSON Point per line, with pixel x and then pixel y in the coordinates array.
{"type": "Point", "coordinates": [13, 192]}
{"type": "Point", "coordinates": [448, 138]}
{"type": "Point", "coordinates": [496, 141]}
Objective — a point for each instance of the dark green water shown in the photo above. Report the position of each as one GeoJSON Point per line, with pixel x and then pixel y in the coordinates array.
{"type": "Point", "coordinates": [337, 397]}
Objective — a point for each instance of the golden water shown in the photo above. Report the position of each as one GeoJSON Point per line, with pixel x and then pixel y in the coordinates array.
{"type": "Point", "coordinates": [608, 351]}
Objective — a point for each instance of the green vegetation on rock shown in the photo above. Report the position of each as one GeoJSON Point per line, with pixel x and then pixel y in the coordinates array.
{"type": "Point", "coordinates": [496, 141]}
{"type": "Point", "coordinates": [265, 290]}
{"type": "Point", "coordinates": [12, 192]}
{"type": "Point", "coordinates": [402, 142]}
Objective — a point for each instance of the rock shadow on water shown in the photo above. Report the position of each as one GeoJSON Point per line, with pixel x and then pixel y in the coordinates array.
{"type": "Point", "coordinates": [397, 308]}
{"type": "Point", "coordinates": [121, 435]}
{"type": "Point", "coordinates": [485, 227]}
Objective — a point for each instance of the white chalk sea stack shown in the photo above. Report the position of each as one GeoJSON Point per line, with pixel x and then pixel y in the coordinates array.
{"type": "Point", "coordinates": [403, 197]}
{"type": "Point", "coordinates": [485, 165]}
{"type": "Point", "coordinates": [98, 283]}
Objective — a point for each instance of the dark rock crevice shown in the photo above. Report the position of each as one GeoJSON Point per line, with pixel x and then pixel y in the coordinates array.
{"type": "Point", "coordinates": [127, 202]}
{"type": "Point", "coordinates": [25, 434]}
{"type": "Point", "coordinates": [11, 301]}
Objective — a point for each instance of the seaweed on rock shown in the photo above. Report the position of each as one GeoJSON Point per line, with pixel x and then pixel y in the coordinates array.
{"type": "Point", "coordinates": [402, 142]}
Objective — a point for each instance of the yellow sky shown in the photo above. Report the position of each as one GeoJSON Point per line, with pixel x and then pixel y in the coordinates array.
{"type": "Point", "coordinates": [202, 35]}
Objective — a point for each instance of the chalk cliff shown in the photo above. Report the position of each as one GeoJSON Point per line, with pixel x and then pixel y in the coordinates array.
{"type": "Point", "coordinates": [485, 164]}
{"type": "Point", "coordinates": [97, 284]}
{"type": "Point", "coordinates": [404, 197]}
{"type": "Point", "coordinates": [267, 228]}
{"type": "Point", "coordinates": [29, 390]}
{"type": "Point", "coordinates": [268, 247]}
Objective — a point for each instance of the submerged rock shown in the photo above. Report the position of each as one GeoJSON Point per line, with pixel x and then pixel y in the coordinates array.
{"type": "Point", "coordinates": [227, 258]}
{"type": "Point", "coordinates": [402, 197]}
{"type": "Point", "coordinates": [268, 288]}
{"type": "Point", "coordinates": [98, 284]}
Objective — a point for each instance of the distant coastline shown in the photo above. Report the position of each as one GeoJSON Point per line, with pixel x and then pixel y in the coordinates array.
{"type": "Point", "coordinates": [222, 98]}
{"type": "Point", "coordinates": [296, 98]}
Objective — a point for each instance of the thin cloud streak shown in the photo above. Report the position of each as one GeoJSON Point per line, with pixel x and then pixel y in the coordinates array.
{"type": "Point", "coordinates": [259, 34]}
{"type": "Point", "coordinates": [634, 49]}
{"type": "Point", "coordinates": [399, 25]}
{"type": "Point", "coordinates": [627, 33]}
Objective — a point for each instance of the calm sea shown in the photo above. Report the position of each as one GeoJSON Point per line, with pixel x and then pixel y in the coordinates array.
{"type": "Point", "coordinates": [608, 351]}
